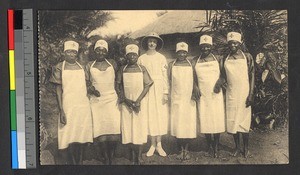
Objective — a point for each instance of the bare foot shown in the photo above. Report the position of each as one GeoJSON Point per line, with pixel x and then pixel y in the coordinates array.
{"type": "Point", "coordinates": [187, 155]}
{"type": "Point", "coordinates": [216, 154]}
{"type": "Point", "coordinates": [180, 156]}
{"type": "Point", "coordinates": [140, 160]}
{"type": "Point", "coordinates": [236, 153]}
{"type": "Point", "coordinates": [209, 152]}
{"type": "Point", "coordinates": [247, 154]}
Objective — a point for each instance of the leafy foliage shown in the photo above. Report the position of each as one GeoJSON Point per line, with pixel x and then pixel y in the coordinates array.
{"type": "Point", "coordinates": [57, 26]}
{"type": "Point", "coordinates": [265, 32]}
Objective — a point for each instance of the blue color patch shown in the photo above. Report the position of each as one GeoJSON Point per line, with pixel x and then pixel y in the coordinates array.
{"type": "Point", "coordinates": [14, 150]}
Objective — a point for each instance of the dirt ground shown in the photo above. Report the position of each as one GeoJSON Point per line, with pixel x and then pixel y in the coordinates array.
{"type": "Point", "coordinates": [266, 146]}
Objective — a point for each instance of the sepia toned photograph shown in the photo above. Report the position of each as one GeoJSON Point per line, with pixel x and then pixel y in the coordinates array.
{"type": "Point", "coordinates": [163, 87]}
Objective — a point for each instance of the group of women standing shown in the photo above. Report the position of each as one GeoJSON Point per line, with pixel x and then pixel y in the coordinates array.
{"type": "Point", "coordinates": [99, 102]}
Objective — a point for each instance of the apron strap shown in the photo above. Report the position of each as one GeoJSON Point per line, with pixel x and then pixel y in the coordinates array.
{"type": "Point", "coordinates": [64, 63]}
{"type": "Point", "coordinates": [78, 64]}
{"type": "Point", "coordinates": [185, 59]}
{"type": "Point", "coordinates": [93, 63]}
{"type": "Point", "coordinates": [127, 65]}
{"type": "Point", "coordinates": [214, 57]}
{"type": "Point", "coordinates": [189, 62]}
{"type": "Point", "coordinates": [242, 54]}
{"type": "Point", "coordinates": [140, 67]}
{"type": "Point", "coordinates": [210, 53]}
{"type": "Point", "coordinates": [108, 62]}
{"type": "Point", "coordinates": [105, 60]}
{"type": "Point", "coordinates": [199, 58]}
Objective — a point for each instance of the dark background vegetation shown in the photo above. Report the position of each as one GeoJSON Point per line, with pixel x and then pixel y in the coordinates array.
{"type": "Point", "coordinates": [294, 73]}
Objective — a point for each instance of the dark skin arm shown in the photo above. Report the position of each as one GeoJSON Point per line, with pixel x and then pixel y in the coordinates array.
{"type": "Point", "coordinates": [251, 73]}
{"type": "Point", "coordinates": [196, 91]}
{"type": "Point", "coordinates": [169, 71]}
{"type": "Point", "coordinates": [62, 116]}
{"type": "Point", "coordinates": [120, 91]}
{"type": "Point", "coordinates": [137, 103]}
{"type": "Point", "coordinates": [222, 80]}
{"type": "Point", "coordinates": [90, 88]}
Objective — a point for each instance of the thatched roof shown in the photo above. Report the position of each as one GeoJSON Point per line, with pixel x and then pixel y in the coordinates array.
{"type": "Point", "coordinates": [178, 21]}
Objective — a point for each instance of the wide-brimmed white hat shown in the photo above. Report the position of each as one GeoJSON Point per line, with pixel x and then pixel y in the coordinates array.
{"type": "Point", "coordinates": [206, 39]}
{"type": "Point", "coordinates": [101, 43]}
{"type": "Point", "coordinates": [132, 48]}
{"type": "Point", "coordinates": [71, 45]}
{"type": "Point", "coordinates": [160, 42]}
{"type": "Point", "coordinates": [234, 36]}
{"type": "Point", "coordinates": [182, 46]}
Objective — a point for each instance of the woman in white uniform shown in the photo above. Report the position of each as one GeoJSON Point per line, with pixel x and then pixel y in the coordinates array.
{"type": "Point", "coordinates": [75, 120]}
{"type": "Point", "coordinates": [183, 100]}
{"type": "Point", "coordinates": [211, 105]}
{"type": "Point", "coordinates": [105, 109]}
{"type": "Point", "coordinates": [134, 83]}
{"type": "Point", "coordinates": [156, 65]}
{"type": "Point", "coordinates": [239, 73]}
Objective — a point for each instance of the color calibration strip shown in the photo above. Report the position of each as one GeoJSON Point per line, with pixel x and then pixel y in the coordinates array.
{"type": "Point", "coordinates": [22, 98]}
{"type": "Point", "coordinates": [12, 90]}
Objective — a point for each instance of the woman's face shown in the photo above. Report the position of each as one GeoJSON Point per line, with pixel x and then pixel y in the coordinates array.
{"type": "Point", "coordinates": [71, 55]}
{"type": "Point", "coordinates": [152, 43]}
{"type": "Point", "coordinates": [234, 46]}
{"type": "Point", "coordinates": [181, 55]}
{"type": "Point", "coordinates": [205, 49]}
{"type": "Point", "coordinates": [132, 58]}
{"type": "Point", "coordinates": [101, 53]}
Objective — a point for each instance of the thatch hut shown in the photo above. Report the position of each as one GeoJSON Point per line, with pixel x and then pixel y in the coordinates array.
{"type": "Point", "coordinates": [178, 25]}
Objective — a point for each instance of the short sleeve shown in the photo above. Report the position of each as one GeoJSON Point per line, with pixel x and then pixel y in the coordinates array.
{"type": "Point", "coordinates": [146, 77]}
{"type": "Point", "coordinates": [56, 74]}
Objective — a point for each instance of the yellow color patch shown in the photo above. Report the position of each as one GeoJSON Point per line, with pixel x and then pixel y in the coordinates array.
{"type": "Point", "coordinates": [12, 76]}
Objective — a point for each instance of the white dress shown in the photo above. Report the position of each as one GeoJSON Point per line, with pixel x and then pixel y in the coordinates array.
{"type": "Point", "coordinates": [157, 114]}
{"type": "Point", "coordinates": [238, 117]}
{"type": "Point", "coordinates": [76, 106]}
{"type": "Point", "coordinates": [211, 105]}
{"type": "Point", "coordinates": [183, 108]}
{"type": "Point", "coordinates": [134, 125]}
{"type": "Point", "coordinates": [105, 110]}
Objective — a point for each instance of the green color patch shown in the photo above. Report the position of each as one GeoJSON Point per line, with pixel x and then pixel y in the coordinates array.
{"type": "Point", "coordinates": [13, 111]}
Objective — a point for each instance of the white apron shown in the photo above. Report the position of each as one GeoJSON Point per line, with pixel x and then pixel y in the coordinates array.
{"type": "Point", "coordinates": [183, 109]}
{"type": "Point", "coordinates": [237, 115]}
{"type": "Point", "coordinates": [105, 111]}
{"type": "Point", "coordinates": [211, 106]}
{"type": "Point", "coordinates": [77, 109]}
{"type": "Point", "coordinates": [157, 111]}
{"type": "Point", "coordinates": [134, 125]}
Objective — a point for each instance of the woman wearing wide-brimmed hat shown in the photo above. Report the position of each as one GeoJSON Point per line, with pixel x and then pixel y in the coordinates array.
{"type": "Point", "coordinates": [156, 64]}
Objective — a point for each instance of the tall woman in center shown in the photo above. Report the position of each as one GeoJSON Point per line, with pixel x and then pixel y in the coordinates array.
{"type": "Point", "coordinates": [156, 64]}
